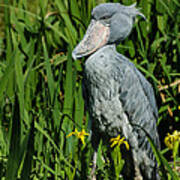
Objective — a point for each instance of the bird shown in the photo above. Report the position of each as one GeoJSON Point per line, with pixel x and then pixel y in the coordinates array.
{"type": "Point", "coordinates": [116, 93]}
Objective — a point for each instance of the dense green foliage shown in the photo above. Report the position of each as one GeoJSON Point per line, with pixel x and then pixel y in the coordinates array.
{"type": "Point", "coordinates": [40, 85]}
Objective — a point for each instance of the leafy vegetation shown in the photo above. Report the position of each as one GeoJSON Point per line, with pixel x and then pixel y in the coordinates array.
{"type": "Point", "coordinates": [40, 85]}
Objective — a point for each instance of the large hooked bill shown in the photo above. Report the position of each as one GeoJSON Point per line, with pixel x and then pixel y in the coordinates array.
{"type": "Point", "coordinates": [97, 35]}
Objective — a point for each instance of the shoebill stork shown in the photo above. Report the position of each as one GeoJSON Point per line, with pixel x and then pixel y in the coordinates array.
{"type": "Point", "coordinates": [116, 94]}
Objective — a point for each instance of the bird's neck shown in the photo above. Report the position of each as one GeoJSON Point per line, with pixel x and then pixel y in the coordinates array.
{"type": "Point", "coordinates": [104, 55]}
{"type": "Point", "coordinates": [105, 49]}
{"type": "Point", "coordinates": [109, 46]}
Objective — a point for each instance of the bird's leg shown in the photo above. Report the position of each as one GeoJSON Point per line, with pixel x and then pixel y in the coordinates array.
{"type": "Point", "coordinates": [137, 172]}
{"type": "Point", "coordinates": [93, 174]}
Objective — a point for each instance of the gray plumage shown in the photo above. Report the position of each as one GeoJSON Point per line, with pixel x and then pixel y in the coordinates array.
{"type": "Point", "coordinates": [116, 94]}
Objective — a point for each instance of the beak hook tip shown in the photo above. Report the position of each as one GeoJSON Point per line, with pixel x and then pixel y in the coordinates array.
{"type": "Point", "coordinates": [74, 55]}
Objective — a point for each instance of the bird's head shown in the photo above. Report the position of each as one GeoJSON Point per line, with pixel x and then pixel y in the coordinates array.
{"type": "Point", "coordinates": [110, 24]}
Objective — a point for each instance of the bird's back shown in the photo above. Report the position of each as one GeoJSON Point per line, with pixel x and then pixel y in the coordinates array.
{"type": "Point", "coordinates": [117, 95]}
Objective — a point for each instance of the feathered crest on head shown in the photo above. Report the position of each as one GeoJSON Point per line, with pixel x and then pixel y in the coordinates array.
{"type": "Point", "coordinates": [132, 10]}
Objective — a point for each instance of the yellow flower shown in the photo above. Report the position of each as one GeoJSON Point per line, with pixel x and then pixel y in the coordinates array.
{"type": "Point", "coordinates": [178, 107]}
{"type": "Point", "coordinates": [80, 135]}
{"type": "Point", "coordinates": [118, 141]}
{"type": "Point", "coordinates": [171, 139]}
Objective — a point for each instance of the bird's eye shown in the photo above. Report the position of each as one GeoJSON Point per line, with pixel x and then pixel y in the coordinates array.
{"type": "Point", "coordinates": [105, 20]}
{"type": "Point", "coordinates": [105, 17]}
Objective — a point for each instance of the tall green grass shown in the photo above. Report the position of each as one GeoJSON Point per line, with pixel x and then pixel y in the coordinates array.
{"type": "Point", "coordinates": [40, 85]}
